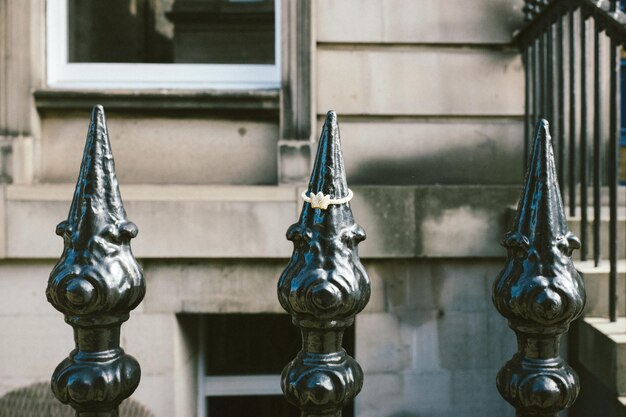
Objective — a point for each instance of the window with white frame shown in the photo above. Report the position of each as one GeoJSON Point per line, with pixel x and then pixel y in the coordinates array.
{"type": "Point", "coordinates": [241, 357]}
{"type": "Point", "coordinates": [118, 44]}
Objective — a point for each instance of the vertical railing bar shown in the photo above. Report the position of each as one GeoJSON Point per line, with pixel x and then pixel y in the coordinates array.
{"type": "Point", "coordinates": [583, 138]}
{"type": "Point", "coordinates": [544, 75]}
{"type": "Point", "coordinates": [572, 117]}
{"type": "Point", "coordinates": [560, 102]}
{"type": "Point", "coordinates": [597, 134]}
{"type": "Point", "coordinates": [550, 74]}
{"type": "Point", "coordinates": [535, 67]}
{"type": "Point", "coordinates": [202, 411]}
{"type": "Point", "coordinates": [550, 83]}
{"type": "Point", "coordinates": [613, 150]}
{"type": "Point", "coordinates": [526, 138]}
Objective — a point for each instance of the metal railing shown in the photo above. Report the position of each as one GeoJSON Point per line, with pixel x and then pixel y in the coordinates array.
{"type": "Point", "coordinates": [556, 41]}
{"type": "Point", "coordinates": [324, 286]}
{"type": "Point", "coordinates": [539, 291]}
{"type": "Point", "coordinates": [97, 282]}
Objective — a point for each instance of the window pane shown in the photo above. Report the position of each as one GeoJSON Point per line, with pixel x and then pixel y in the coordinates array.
{"type": "Point", "coordinates": [248, 344]}
{"type": "Point", "coordinates": [172, 31]}
{"type": "Point", "coordinates": [253, 344]}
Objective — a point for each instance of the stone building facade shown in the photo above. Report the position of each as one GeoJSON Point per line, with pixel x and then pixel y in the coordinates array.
{"type": "Point", "coordinates": [430, 102]}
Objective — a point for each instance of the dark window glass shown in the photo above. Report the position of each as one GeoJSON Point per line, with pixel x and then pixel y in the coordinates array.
{"type": "Point", "coordinates": [249, 344]}
{"type": "Point", "coordinates": [251, 406]}
{"type": "Point", "coordinates": [172, 31]}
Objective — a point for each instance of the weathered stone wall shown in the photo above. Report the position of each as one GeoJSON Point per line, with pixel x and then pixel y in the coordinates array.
{"type": "Point", "coordinates": [426, 92]}
{"type": "Point", "coordinates": [430, 101]}
{"type": "Point", "coordinates": [429, 340]}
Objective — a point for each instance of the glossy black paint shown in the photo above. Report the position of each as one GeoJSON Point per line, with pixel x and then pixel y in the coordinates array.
{"type": "Point", "coordinates": [95, 284]}
{"type": "Point", "coordinates": [546, 14]}
{"type": "Point", "coordinates": [560, 88]}
{"type": "Point", "coordinates": [597, 143]}
{"type": "Point", "coordinates": [539, 291]}
{"type": "Point", "coordinates": [323, 287]}
{"type": "Point", "coordinates": [613, 169]}
{"type": "Point", "coordinates": [584, 186]}
{"type": "Point", "coordinates": [572, 115]}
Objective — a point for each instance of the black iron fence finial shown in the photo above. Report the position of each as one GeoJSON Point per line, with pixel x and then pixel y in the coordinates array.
{"type": "Point", "coordinates": [540, 292]}
{"type": "Point", "coordinates": [324, 286]}
{"type": "Point", "coordinates": [95, 283]}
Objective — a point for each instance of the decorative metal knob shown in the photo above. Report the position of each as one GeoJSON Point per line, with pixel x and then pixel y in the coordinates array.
{"type": "Point", "coordinates": [323, 287]}
{"type": "Point", "coordinates": [540, 292]}
{"type": "Point", "coordinates": [529, 10]}
{"type": "Point", "coordinates": [95, 283]}
{"type": "Point", "coordinates": [533, 7]}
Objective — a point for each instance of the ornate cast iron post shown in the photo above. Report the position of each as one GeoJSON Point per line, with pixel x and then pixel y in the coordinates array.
{"type": "Point", "coordinates": [324, 286]}
{"type": "Point", "coordinates": [95, 283]}
{"type": "Point", "coordinates": [539, 292]}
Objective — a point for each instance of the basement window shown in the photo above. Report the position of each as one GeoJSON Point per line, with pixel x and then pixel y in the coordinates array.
{"type": "Point", "coordinates": [222, 44]}
{"type": "Point", "coordinates": [241, 358]}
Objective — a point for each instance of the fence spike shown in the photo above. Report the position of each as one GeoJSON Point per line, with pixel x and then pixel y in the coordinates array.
{"type": "Point", "coordinates": [323, 287]}
{"type": "Point", "coordinates": [540, 292]}
{"type": "Point", "coordinates": [95, 284]}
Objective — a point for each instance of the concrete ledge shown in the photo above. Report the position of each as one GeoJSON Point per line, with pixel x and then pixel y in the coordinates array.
{"type": "Point", "coordinates": [602, 351]}
{"type": "Point", "coordinates": [157, 99]}
{"type": "Point", "coordinates": [250, 222]}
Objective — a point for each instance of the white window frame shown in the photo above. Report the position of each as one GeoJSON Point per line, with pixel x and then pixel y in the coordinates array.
{"type": "Point", "coordinates": [63, 74]}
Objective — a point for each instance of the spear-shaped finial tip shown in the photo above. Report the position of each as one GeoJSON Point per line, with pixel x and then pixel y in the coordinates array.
{"type": "Point", "coordinates": [540, 220]}
{"type": "Point", "coordinates": [329, 175]}
{"type": "Point", "coordinates": [97, 200]}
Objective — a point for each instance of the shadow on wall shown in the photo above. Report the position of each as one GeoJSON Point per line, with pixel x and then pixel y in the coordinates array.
{"type": "Point", "coordinates": [38, 400]}
{"type": "Point", "coordinates": [483, 163]}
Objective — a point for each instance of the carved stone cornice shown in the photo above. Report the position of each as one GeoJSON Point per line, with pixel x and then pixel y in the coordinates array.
{"type": "Point", "coordinates": [95, 284]}
{"type": "Point", "coordinates": [539, 291]}
{"type": "Point", "coordinates": [323, 287]}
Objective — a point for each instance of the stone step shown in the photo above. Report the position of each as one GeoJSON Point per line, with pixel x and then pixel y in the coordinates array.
{"type": "Point", "coordinates": [601, 364]}
{"type": "Point", "coordinates": [602, 351]}
{"type": "Point", "coordinates": [604, 195]}
{"type": "Point", "coordinates": [574, 223]}
{"type": "Point", "coordinates": [596, 281]}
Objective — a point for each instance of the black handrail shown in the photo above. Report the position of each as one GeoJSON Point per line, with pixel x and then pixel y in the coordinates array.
{"type": "Point", "coordinates": [542, 17]}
